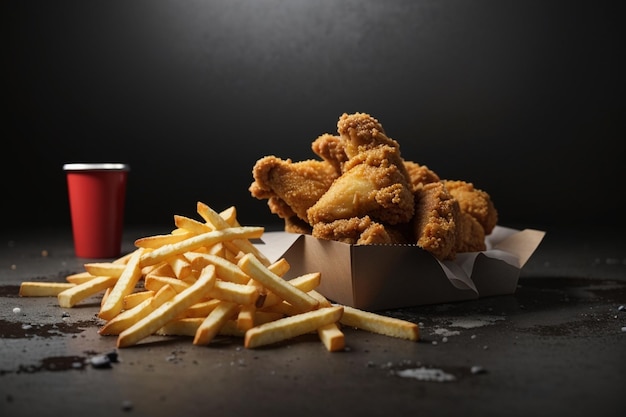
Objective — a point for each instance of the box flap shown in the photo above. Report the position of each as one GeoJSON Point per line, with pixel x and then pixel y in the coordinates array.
{"type": "Point", "coordinates": [274, 244]}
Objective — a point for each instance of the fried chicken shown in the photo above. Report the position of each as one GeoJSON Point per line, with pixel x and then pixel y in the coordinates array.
{"type": "Point", "coordinates": [298, 184]}
{"type": "Point", "coordinates": [373, 181]}
{"type": "Point", "coordinates": [330, 149]}
{"type": "Point", "coordinates": [435, 221]}
{"type": "Point", "coordinates": [357, 231]}
{"type": "Point", "coordinates": [294, 224]}
{"type": "Point", "coordinates": [475, 202]}
{"type": "Point", "coordinates": [363, 192]}
{"type": "Point", "coordinates": [419, 175]}
{"type": "Point", "coordinates": [370, 185]}
{"type": "Point", "coordinates": [470, 235]}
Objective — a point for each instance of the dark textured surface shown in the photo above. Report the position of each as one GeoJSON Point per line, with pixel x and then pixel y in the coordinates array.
{"type": "Point", "coordinates": [555, 347]}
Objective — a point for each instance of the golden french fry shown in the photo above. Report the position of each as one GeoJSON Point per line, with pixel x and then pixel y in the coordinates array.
{"type": "Point", "coordinates": [180, 265]}
{"type": "Point", "coordinates": [225, 269]}
{"type": "Point", "coordinates": [123, 286]}
{"type": "Point", "coordinates": [153, 242]}
{"type": "Point", "coordinates": [200, 309]}
{"type": "Point", "coordinates": [290, 327]}
{"type": "Point", "coordinates": [305, 283]}
{"type": "Point", "coordinates": [155, 282]}
{"type": "Point", "coordinates": [43, 289]}
{"type": "Point", "coordinates": [127, 318]}
{"type": "Point", "coordinates": [245, 318]}
{"type": "Point", "coordinates": [231, 327]}
{"type": "Point", "coordinates": [105, 295]}
{"type": "Point", "coordinates": [186, 326]}
{"type": "Point", "coordinates": [105, 269]}
{"type": "Point", "coordinates": [280, 267]}
{"type": "Point", "coordinates": [283, 308]}
{"type": "Point", "coordinates": [169, 310]}
{"type": "Point", "coordinates": [131, 300]}
{"type": "Point", "coordinates": [214, 321]}
{"type": "Point", "coordinates": [293, 295]}
{"type": "Point", "coordinates": [377, 323]}
{"type": "Point", "coordinates": [324, 302]}
{"type": "Point", "coordinates": [79, 277]}
{"type": "Point", "coordinates": [332, 337]}
{"type": "Point", "coordinates": [230, 216]}
{"type": "Point", "coordinates": [206, 239]}
{"type": "Point", "coordinates": [191, 225]}
{"type": "Point", "coordinates": [72, 296]}
{"type": "Point", "coordinates": [237, 293]}
{"type": "Point", "coordinates": [162, 269]}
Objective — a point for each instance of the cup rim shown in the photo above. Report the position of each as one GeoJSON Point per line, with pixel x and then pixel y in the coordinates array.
{"type": "Point", "coordinates": [99, 166]}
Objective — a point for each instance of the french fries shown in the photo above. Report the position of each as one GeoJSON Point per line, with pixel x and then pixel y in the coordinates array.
{"type": "Point", "coordinates": [292, 326]}
{"type": "Point", "coordinates": [43, 289]}
{"type": "Point", "coordinates": [377, 323]}
{"type": "Point", "coordinates": [72, 296]}
{"type": "Point", "coordinates": [204, 279]}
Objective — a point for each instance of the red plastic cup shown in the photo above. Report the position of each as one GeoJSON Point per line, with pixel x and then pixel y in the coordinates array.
{"type": "Point", "coordinates": [97, 194]}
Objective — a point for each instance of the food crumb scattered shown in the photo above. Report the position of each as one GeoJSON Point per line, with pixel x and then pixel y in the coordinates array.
{"type": "Point", "coordinates": [17, 310]}
{"type": "Point", "coordinates": [100, 362]}
{"type": "Point", "coordinates": [477, 369]}
{"type": "Point", "coordinates": [427, 374]}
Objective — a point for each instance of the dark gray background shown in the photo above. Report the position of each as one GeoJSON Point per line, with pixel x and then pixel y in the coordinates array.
{"type": "Point", "coordinates": [522, 98]}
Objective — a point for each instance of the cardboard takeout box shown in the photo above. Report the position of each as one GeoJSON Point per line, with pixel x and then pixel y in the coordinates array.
{"type": "Point", "coordinates": [379, 277]}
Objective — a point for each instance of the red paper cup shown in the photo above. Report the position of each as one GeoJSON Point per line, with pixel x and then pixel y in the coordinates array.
{"type": "Point", "coordinates": [97, 194]}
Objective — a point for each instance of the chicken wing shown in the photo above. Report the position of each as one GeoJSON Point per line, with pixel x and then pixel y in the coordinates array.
{"type": "Point", "coordinates": [371, 185]}
{"type": "Point", "coordinates": [298, 184]}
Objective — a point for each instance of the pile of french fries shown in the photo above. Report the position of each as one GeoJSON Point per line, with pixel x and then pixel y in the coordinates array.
{"type": "Point", "coordinates": [206, 278]}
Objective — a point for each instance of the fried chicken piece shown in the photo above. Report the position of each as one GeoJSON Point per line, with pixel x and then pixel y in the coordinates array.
{"type": "Point", "coordinates": [357, 231]}
{"type": "Point", "coordinates": [361, 132]}
{"type": "Point", "coordinates": [419, 175]}
{"type": "Point", "coordinates": [374, 180]}
{"type": "Point", "coordinates": [295, 224]}
{"type": "Point", "coordinates": [280, 208]}
{"type": "Point", "coordinates": [330, 149]}
{"type": "Point", "coordinates": [470, 235]}
{"type": "Point", "coordinates": [475, 202]}
{"type": "Point", "coordinates": [370, 186]}
{"type": "Point", "coordinates": [298, 184]}
{"type": "Point", "coordinates": [435, 221]}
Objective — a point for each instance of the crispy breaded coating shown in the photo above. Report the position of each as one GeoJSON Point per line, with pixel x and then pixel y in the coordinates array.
{"type": "Point", "coordinates": [295, 224]}
{"type": "Point", "coordinates": [470, 235]}
{"type": "Point", "coordinates": [361, 132]}
{"type": "Point", "coordinates": [372, 186]}
{"type": "Point", "coordinates": [330, 149]}
{"type": "Point", "coordinates": [420, 175]}
{"type": "Point", "coordinates": [435, 221]}
{"type": "Point", "coordinates": [298, 184]}
{"type": "Point", "coordinates": [357, 231]}
{"type": "Point", "coordinates": [280, 208]}
{"type": "Point", "coordinates": [475, 202]}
